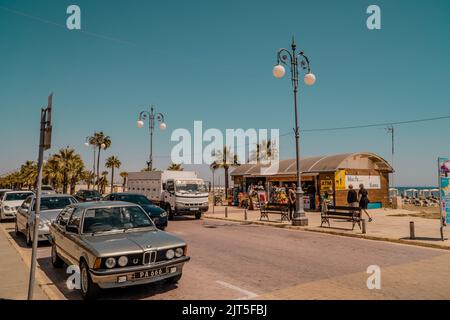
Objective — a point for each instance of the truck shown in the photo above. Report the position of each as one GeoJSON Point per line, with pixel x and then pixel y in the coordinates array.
{"type": "Point", "coordinates": [177, 192]}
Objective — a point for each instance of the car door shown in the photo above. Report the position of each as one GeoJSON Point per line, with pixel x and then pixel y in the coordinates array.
{"type": "Point", "coordinates": [22, 214]}
{"type": "Point", "coordinates": [71, 241]}
{"type": "Point", "coordinates": [59, 231]}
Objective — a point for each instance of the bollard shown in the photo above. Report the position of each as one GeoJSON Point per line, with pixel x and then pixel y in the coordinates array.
{"type": "Point", "coordinates": [226, 212]}
{"type": "Point", "coordinates": [363, 226]}
{"type": "Point", "coordinates": [245, 214]}
{"type": "Point", "coordinates": [412, 233]}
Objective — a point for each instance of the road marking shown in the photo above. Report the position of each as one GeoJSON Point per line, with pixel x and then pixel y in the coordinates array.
{"type": "Point", "coordinates": [248, 294]}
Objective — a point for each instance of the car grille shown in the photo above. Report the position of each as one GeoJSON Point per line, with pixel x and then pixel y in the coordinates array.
{"type": "Point", "coordinates": [193, 204]}
{"type": "Point", "coordinates": [149, 257]}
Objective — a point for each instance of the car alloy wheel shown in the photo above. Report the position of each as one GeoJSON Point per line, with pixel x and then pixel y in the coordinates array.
{"type": "Point", "coordinates": [89, 289]}
{"type": "Point", "coordinates": [56, 260]}
{"type": "Point", "coordinates": [84, 281]}
{"type": "Point", "coordinates": [16, 229]}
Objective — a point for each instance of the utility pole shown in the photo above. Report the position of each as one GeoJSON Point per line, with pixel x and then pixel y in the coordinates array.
{"type": "Point", "coordinates": [391, 130]}
{"type": "Point", "coordinates": [45, 141]}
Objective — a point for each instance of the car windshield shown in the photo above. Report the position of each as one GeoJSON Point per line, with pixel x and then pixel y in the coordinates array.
{"type": "Point", "coordinates": [133, 198]}
{"type": "Point", "coordinates": [116, 218]}
{"type": "Point", "coordinates": [190, 187]}
{"type": "Point", "coordinates": [17, 196]}
{"type": "Point", "coordinates": [55, 203]}
{"type": "Point", "coordinates": [91, 193]}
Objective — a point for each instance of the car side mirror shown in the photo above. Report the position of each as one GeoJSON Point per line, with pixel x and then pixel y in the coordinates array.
{"type": "Point", "coordinates": [72, 229]}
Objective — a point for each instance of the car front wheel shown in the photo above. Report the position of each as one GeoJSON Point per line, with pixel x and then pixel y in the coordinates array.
{"type": "Point", "coordinates": [89, 290]}
{"type": "Point", "coordinates": [56, 260]}
{"type": "Point", "coordinates": [16, 229]}
{"type": "Point", "coordinates": [198, 215]}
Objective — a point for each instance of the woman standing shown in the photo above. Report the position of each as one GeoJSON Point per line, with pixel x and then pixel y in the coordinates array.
{"type": "Point", "coordinates": [363, 195]}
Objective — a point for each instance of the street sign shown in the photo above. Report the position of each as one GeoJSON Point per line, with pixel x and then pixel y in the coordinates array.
{"type": "Point", "coordinates": [48, 124]}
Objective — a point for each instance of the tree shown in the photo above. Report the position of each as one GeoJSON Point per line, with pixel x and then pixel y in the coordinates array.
{"type": "Point", "coordinates": [76, 172]}
{"type": "Point", "coordinates": [64, 157]}
{"type": "Point", "coordinates": [103, 182]}
{"type": "Point", "coordinates": [113, 162]}
{"type": "Point", "coordinates": [124, 176]}
{"type": "Point", "coordinates": [101, 142]}
{"type": "Point", "coordinates": [175, 167]}
{"type": "Point", "coordinates": [89, 178]}
{"type": "Point", "coordinates": [28, 174]}
{"type": "Point", "coordinates": [225, 159]}
{"type": "Point", "coordinates": [266, 150]}
{"type": "Point", "coordinates": [52, 172]}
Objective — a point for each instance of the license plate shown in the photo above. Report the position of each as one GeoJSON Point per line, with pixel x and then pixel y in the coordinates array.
{"type": "Point", "coordinates": [194, 209]}
{"type": "Point", "coordinates": [149, 273]}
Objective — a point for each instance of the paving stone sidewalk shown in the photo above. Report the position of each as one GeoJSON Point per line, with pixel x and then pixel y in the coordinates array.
{"type": "Point", "coordinates": [388, 224]}
{"type": "Point", "coordinates": [14, 272]}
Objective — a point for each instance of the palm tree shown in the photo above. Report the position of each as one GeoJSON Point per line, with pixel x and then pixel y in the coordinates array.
{"type": "Point", "coordinates": [103, 182]}
{"type": "Point", "coordinates": [101, 142]}
{"type": "Point", "coordinates": [225, 159]}
{"type": "Point", "coordinates": [175, 167]}
{"type": "Point", "coordinates": [124, 176]}
{"type": "Point", "coordinates": [28, 174]}
{"type": "Point", "coordinates": [113, 162]}
{"type": "Point", "coordinates": [52, 172]}
{"type": "Point", "coordinates": [76, 171]}
{"type": "Point", "coordinates": [266, 150]}
{"type": "Point", "coordinates": [89, 178]}
{"type": "Point", "coordinates": [64, 157]}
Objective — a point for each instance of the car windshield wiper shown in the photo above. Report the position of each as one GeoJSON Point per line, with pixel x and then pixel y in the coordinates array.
{"type": "Point", "coordinates": [100, 231]}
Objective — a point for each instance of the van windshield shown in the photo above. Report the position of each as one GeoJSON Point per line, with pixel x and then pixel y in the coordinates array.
{"type": "Point", "coordinates": [190, 187]}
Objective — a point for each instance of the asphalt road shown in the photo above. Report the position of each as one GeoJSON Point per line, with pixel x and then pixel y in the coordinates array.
{"type": "Point", "coordinates": [241, 261]}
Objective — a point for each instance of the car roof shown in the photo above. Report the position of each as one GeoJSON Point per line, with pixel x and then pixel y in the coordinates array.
{"type": "Point", "coordinates": [101, 204]}
{"type": "Point", "coordinates": [128, 194]}
{"type": "Point", "coordinates": [19, 191]}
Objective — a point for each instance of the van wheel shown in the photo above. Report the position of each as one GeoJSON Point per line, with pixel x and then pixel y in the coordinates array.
{"type": "Point", "coordinates": [56, 260]}
{"type": "Point", "coordinates": [198, 215]}
{"type": "Point", "coordinates": [89, 289]}
{"type": "Point", "coordinates": [169, 212]}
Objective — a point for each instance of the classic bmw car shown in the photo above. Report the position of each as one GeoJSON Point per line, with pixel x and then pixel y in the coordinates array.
{"type": "Point", "coordinates": [115, 244]}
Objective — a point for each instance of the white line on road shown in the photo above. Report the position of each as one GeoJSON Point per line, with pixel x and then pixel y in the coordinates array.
{"type": "Point", "coordinates": [248, 294]}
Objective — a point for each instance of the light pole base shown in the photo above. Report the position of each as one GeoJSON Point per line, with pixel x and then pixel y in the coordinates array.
{"type": "Point", "coordinates": [300, 221]}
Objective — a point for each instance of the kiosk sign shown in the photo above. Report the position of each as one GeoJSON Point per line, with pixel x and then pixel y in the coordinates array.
{"type": "Point", "coordinates": [444, 188]}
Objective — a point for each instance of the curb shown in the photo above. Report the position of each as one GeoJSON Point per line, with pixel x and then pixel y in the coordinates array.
{"type": "Point", "coordinates": [46, 285]}
{"type": "Point", "coordinates": [337, 233]}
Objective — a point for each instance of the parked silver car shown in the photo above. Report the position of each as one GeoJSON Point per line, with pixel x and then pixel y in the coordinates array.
{"type": "Point", "coordinates": [51, 206]}
{"type": "Point", "coordinates": [10, 201]}
{"type": "Point", "coordinates": [115, 244]}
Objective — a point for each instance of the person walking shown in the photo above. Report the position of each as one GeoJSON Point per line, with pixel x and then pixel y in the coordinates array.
{"type": "Point", "coordinates": [352, 197]}
{"type": "Point", "coordinates": [364, 200]}
{"type": "Point", "coordinates": [312, 197]}
{"type": "Point", "coordinates": [292, 196]}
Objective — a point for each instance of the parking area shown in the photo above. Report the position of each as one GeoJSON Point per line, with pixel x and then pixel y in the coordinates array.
{"type": "Point", "coordinates": [241, 261]}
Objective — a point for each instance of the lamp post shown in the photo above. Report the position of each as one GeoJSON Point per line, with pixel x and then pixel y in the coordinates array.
{"type": "Point", "coordinates": [291, 59]}
{"type": "Point", "coordinates": [151, 116]}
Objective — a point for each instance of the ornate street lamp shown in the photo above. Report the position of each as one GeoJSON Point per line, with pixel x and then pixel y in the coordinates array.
{"type": "Point", "coordinates": [151, 116]}
{"type": "Point", "coordinates": [291, 59]}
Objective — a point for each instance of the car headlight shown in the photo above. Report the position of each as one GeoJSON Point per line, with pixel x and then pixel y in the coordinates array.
{"type": "Point", "coordinates": [110, 262]}
{"type": "Point", "coordinates": [170, 254]}
{"type": "Point", "coordinates": [179, 252]}
{"type": "Point", "coordinates": [163, 214]}
{"type": "Point", "coordinates": [123, 261]}
{"type": "Point", "coordinates": [7, 208]}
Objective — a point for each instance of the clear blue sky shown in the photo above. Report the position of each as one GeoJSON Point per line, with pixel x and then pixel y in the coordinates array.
{"type": "Point", "coordinates": [212, 61]}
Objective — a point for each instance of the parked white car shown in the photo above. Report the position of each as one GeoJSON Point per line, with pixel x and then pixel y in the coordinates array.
{"type": "Point", "coordinates": [10, 202]}
{"type": "Point", "coordinates": [51, 206]}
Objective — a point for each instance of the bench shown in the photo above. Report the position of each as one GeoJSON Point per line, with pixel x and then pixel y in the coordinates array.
{"type": "Point", "coordinates": [352, 214]}
{"type": "Point", "coordinates": [276, 208]}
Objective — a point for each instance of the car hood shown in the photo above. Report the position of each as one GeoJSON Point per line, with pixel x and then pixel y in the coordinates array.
{"type": "Point", "coordinates": [152, 210]}
{"type": "Point", "coordinates": [131, 242]}
{"type": "Point", "coordinates": [12, 203]}
{"type": "Point", "coordinates": [49, 215]}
